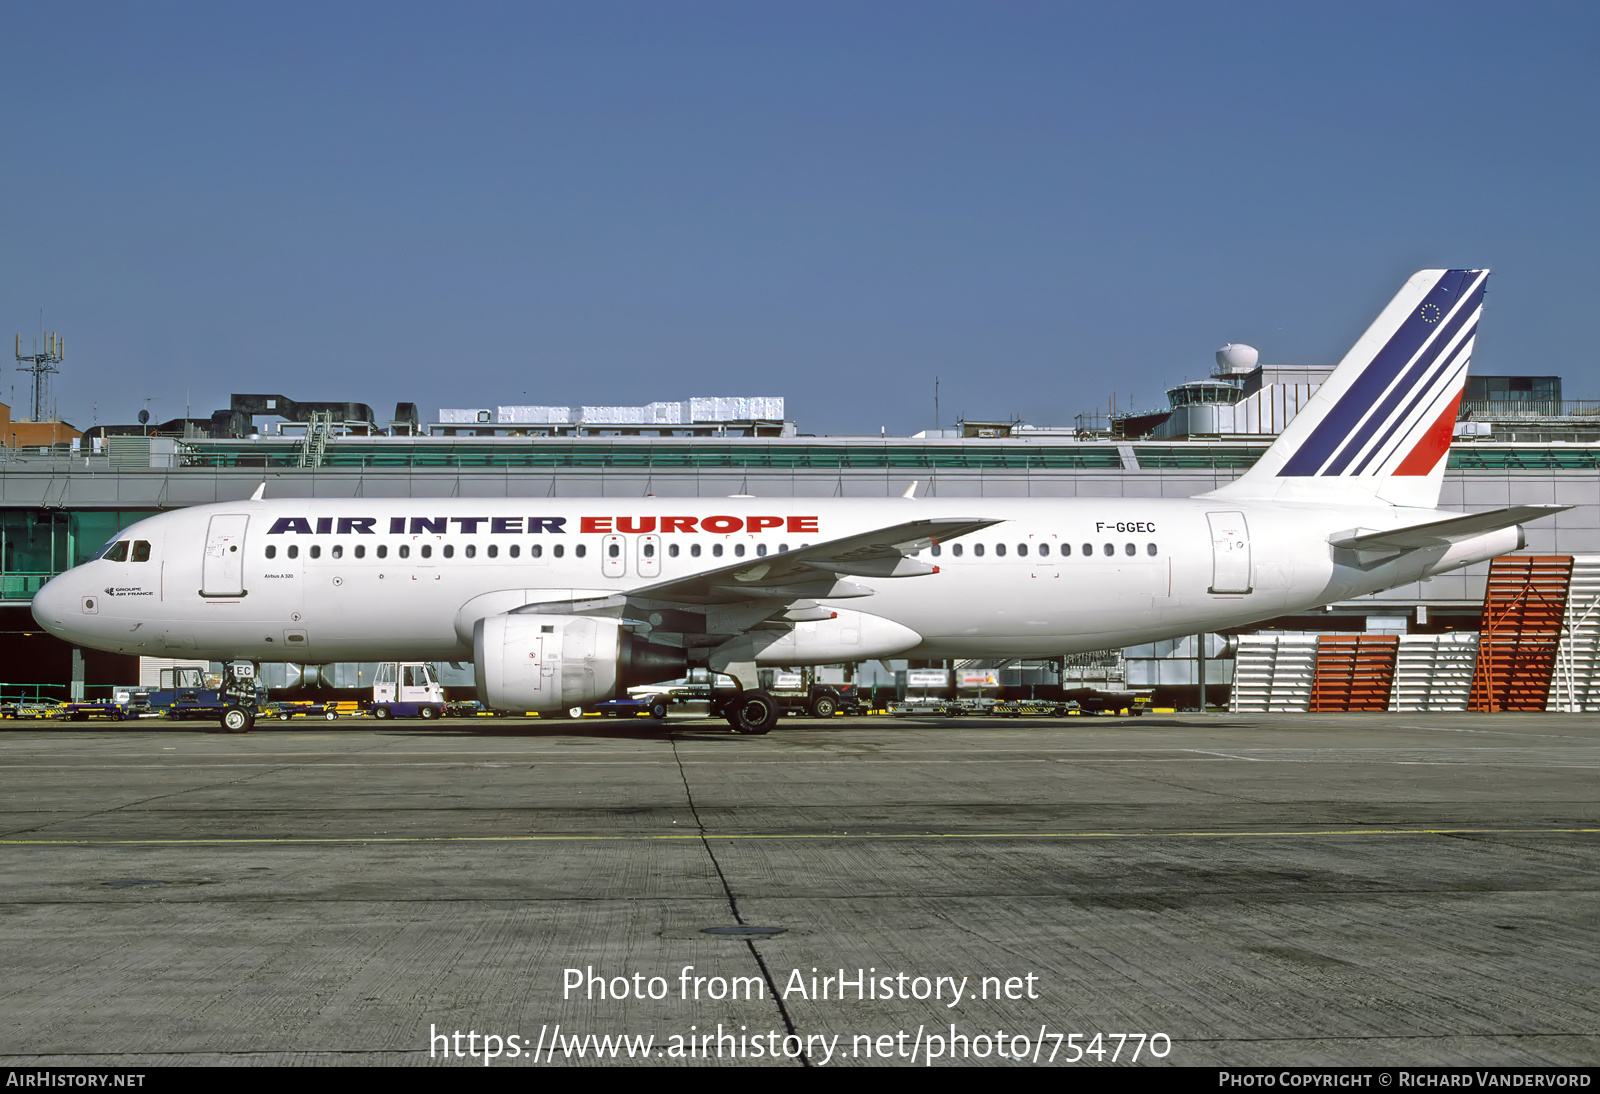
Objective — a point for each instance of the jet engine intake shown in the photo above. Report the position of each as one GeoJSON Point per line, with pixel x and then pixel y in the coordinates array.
{"type": "Point", "coordinates": [553, 662]}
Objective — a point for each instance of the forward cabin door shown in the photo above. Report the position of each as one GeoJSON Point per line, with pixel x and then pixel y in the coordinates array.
{"type": "Point", "coordinates": [222, 573]}
{"type": "Point", "coordinates": [1230, 553]}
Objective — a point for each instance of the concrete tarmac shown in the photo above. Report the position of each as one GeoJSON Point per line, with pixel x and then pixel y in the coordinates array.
{"type": "Point", "coordinates": [1215, 890]}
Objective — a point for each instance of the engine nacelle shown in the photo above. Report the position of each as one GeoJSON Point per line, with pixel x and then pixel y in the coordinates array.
{"type": "Point", "coordinates": [552, 662]}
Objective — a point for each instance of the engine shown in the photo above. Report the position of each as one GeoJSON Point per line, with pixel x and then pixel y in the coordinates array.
{"type": "Point", "coordinates": [552, 662]}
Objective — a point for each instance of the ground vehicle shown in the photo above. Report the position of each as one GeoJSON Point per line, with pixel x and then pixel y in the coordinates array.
{"type": "Point", "coordinates": [627, 706]}
{"type": "Point", "coordinates": [818, 700]}
{"type": "Point", "coordinates": [283, 711]}
{"type": "Point", "coordinates": [407, 689]}
{"type": "Point", "coordinates": [82, 712]}
{"type": "Point", "coordinates": [184, 694]}
{"type": "Point", "coordinates": [32, 708]}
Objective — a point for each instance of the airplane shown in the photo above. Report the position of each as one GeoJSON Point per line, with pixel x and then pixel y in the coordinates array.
{"type": "Point", "coordinates": [566, 601]}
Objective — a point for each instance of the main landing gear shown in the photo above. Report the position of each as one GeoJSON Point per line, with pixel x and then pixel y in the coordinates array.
{"type": "Point", "coordinates": [752, 712]}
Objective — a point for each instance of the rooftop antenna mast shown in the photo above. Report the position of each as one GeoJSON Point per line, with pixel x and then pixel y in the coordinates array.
{"type": "Point", "coordinates": [42, 363]}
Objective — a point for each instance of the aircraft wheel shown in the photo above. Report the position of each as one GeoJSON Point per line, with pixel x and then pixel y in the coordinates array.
{"type": "Point", "coordinates": [236, 719]}
{"type": "Point", "coordinates": [380, 712]}
{"type": "Point", "coordinates": [824, 707]}
{"type": "Point", "coordinates": [755, 713]}
{"type": "Point", "coordinates": [429, 713]}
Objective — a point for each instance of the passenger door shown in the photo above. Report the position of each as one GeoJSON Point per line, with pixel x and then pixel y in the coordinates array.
{"type": "Point", "coordinates": [1230, 553]}
{"type": "Point", "coordinates": [222, 573]}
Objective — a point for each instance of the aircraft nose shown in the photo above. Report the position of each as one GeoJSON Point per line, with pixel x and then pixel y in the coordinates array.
{"type": "Point", "coordinates": [52, 603]}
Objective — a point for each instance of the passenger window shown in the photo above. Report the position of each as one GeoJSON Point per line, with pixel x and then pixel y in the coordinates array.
{"type": "Point", "coordinates": [536, 551]}
{"type": "Point", "coordinates": [1130, 550]}
{"type": "Point", "coordinates": [613, 550]}
{"type": "Point", "coordinates": [649, 550]}
{"type": "Point", "coordinates": [1088, 550]}
{"type": "Point", "coordinates": [956, 550]}
{"type": "Point", "coordinates": [294, 550]}
{"type": "Point", "coordinates": [977, 549]}
{"type": "Point", "coordinates": [1111, 549]}
{"type": "Point", "coordinates": [1022, 548]}
{"type": "Point", "coordinates": [580, 550]}
{"type": "Point", "coordinates": [449, 551]}
{"type": "Point", "coordinates": [141, 551]}
{"type": "Point", "coordinates": [1000, 550]}
{"type": "Point", "coordinates": [316, 550]}
{"type": "Point", "coordinates": [672, 550]}
{"type": "Point", "coordinates": [383, 551]}
{"type": "Point", "coordinates": [738, 550]}
{"type": "Point", "coordinates": [694, 550]}
{"type": "Point", "coordinates": [405, 550]}
{"type": "Point", "coordinates": [494, 550]}
{"type": "Point", "coordinates": [337, 552]}
{"type": "Point", "coordinates": [936, 550]}
{"type": "Point", "coordinates": [716, 549]}
{"type": "Point", "coordinates": [361, 550]}
{"type": "Point", "coordinates": [761, 550]}
{"type": "Point", "coordinates": [1044, 549]}
{"type": "Point", "coordinates": [514, 550]}
{"type": "Point", "coordinates": [783, 548]}
{"type": "Point", "coordinates": [1150, 549]}
{"type": "Point", "coordinates": [272, 552]}
{"type": "Point", "coordinates": [427, 550]}
{"type": "Point", "coordinates": [559, 550]}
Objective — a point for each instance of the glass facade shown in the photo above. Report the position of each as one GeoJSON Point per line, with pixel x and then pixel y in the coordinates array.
{"type": "Point", "coordinates": [37, 544]}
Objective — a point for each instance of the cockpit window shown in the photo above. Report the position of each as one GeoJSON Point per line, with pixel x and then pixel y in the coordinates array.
{"type": "Point", "coordinates": [117, 552]}
{"type": "Point", "coordinates": [141, 550]}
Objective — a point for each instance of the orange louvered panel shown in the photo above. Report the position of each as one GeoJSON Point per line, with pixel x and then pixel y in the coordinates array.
{"type": "Point", "coordinates": [1354, 671]}
{"type": "Point", "coordinates": [1523, 609]}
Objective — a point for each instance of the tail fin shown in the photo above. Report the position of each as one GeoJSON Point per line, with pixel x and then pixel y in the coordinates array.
{"type": "Point", "coordinates": [1377, 430]}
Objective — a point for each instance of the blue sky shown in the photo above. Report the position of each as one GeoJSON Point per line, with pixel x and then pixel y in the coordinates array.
{"type": "Point", "coordinates": [613, 203]}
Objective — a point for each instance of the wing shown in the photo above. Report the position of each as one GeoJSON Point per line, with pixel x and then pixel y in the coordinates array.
{"type": "Point", "coordinates": [710, 607]}
{"type": "Point", "coordinates": [818, 571]}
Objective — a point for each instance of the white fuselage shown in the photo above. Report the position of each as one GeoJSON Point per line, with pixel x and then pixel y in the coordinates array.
{"type": "Point", "coordinates": [360, 580]}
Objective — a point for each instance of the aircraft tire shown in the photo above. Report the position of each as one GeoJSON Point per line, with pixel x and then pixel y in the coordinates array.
{"type": "Point", "coordinates": [755, 713]}
{"type": "Point", "coordinates": [236, 719]}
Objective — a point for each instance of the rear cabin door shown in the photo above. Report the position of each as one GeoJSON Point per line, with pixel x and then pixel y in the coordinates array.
{"type": "Point", "coordinates": [1230, 553]}
{"type": "Point", "coordinates": [223, 571]}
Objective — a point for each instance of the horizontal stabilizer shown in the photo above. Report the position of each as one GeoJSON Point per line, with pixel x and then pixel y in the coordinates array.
{"type": "Point", "coordinates": [1438, 532]}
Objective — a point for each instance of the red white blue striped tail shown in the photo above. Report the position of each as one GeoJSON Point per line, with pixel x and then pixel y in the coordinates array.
{"type": "Point", "coordinates": [1377, 431]}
